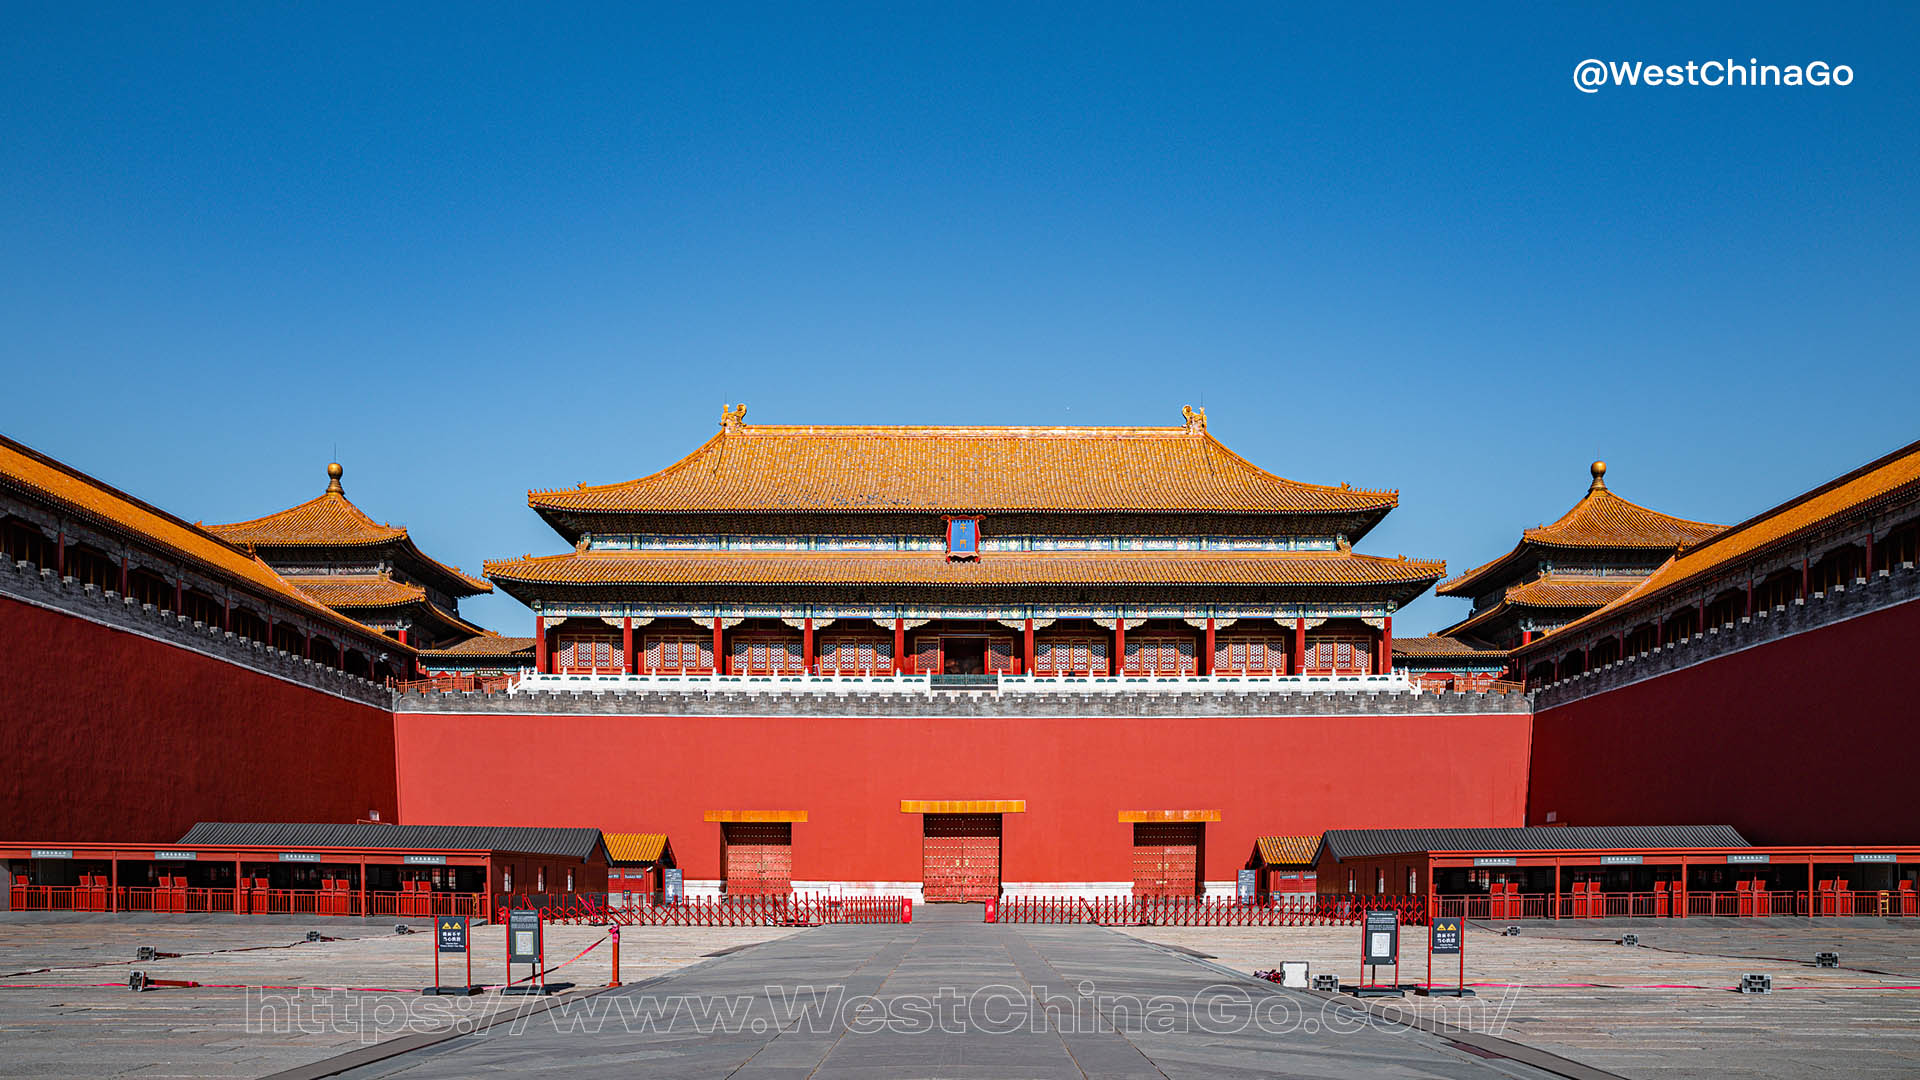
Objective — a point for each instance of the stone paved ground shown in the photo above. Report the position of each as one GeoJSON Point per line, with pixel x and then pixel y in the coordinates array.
{"type": "Point", "coordinates": [947, 997]}
{"type": "Point", "coordinates": [1036, 979]}
{"type": "Point", "coordinates": [1816, 1023]}
{"type": "Point", "coordinates": [78, 1030]}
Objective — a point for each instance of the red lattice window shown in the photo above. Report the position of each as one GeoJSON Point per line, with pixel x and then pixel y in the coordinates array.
{"type": "Point", "coordinates": [1000, 656]}
{"type": "Point", "coordinates": [1162, 655]}
{"type": "Point", "coordinates": [855, 655]}
{"type": "Point", "coordinates": [766, 655]}
{"type": "Point", "coordinates": [587, 654]}
{"type": "Point", "coordinates": [1243, 654]}
{"type": "Point", "coordinates": [679, 654]}
{"type": "Point", "coordinates": [926, 654]}
{"type": "Point", "coordinates": [1070, 656]}
{"type": "Point", "coordinates": [1338, 655]}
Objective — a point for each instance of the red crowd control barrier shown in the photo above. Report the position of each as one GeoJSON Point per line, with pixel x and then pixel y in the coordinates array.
{"type": "Point", "coordinates": [1328, 910]}
{"type": "Point", "coordinates": [791, 909]}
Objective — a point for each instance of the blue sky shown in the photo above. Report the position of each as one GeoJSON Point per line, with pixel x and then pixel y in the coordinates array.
{"type": "Point", "coordinates": [471, 250]}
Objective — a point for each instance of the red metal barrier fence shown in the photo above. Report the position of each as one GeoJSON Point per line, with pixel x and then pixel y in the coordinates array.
{"type": "Point", "coordinates": [1330, 910]}
{"type": "Point", "coordinates": [791, 909]}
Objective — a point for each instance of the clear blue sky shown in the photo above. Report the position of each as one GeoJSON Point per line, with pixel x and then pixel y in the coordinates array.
{"type": "Point", "coordinates": [471, 250]}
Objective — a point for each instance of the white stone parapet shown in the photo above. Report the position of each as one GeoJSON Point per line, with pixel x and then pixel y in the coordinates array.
{"type": "Point", "coordinates": [1396, 682]}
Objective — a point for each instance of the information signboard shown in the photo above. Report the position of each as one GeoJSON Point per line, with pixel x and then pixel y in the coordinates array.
{"type": "Point", "coordinates": [523, 936]}
{"type": "Point", "coordinates": [452, 932]}
{"type": "Point", "coordinates": [1381, 946]}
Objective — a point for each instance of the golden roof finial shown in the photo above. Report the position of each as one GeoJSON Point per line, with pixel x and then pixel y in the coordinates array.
{"type": "Point", "coordinates": [733, 417]}
{"type": "Point", "coordinates": [333, 478]}
{"type": "Point", "coordinates": [1599, 471]}
{"type": "Point", "coordinates": [1196, 418]}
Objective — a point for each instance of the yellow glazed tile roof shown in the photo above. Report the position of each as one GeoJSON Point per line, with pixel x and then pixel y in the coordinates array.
{"type": "Point", "coordinates": [1566, 591]}
{"type": "Point", "coordinates": [487, 644]}
{"type": "Point", "coordinates": [1895, 476]}
{"type": "Point", "coordinates": [74, 492]}
{"type": "Point", "coordinates": [1600, 519]}
{"type": "Point", "coordinates": [635, 847]}
{"type": "Point", "coordinates": [963, 469]}
{"type": "Point", "coordinates": [378, 591]}
{"type": "Point", "coordinates": [332, 520]}
{"type": "Point", "coordinates": [933, 568]}
{"type": "Point", "coordinates": [1289, 850]}
{"type": "Point", "coordinates": [1436, 645]}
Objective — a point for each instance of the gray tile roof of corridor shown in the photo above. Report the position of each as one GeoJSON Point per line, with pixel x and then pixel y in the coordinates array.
{"type": "Point", "coordinates": [526, 840]}
{"type": "Point", "coordinates": [1349, 843]}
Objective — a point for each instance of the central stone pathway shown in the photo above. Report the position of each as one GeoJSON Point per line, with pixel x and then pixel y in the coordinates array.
{"type": "Point", "coordinates": [947, 996]}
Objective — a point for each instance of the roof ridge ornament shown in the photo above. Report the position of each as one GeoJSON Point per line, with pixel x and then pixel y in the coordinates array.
{"type": "Point", "coordinates": [733, 417]}
{"type": "Point", "coordinates": [1599, 471]}
{"type": "Point", "coordinates": [334, 472]}
{"type": "Point", "coordinates": [1196, 419]}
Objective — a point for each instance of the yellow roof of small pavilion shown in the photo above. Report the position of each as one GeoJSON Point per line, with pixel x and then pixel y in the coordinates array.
{"type": "Point", "coordinates": [1600, 519]}
{"type": "Point", "coordinates": [1288, 850]}
{"type": "Point", "coordinates": [1897, 475]}
{"type": "Point", "coordinates": [331, 520]}
{"type": "Point", "coordinates": [931, 469]}
{"type": "Point", "coordinates": [635, 847]}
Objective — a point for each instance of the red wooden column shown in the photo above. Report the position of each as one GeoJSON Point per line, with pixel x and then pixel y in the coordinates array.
{"type": "Point", "coordinates": [179, 595]}
{"type": "Point", "coordinates": [239, 898]}
{"type": "Point", "coordinates": [1749, 598]}
{"type": "Point", "coordinates": [113, 882]}
{"type": "Point", "coordinates": [1031, 658]}
{"type": "Point", "coordinates": [806, 645]}
{"type": "Point", "coordinates": [1868, 574]}
{"type": "Point", "coordinates": [363, 887]}
{"type": "Point", "coordinates": [540, 644]}
{"type": "Point", "coordinates": [1806, 577]}
{"type": "Point", "coordinates": [1386, 647]}
{"type": "Point", "coordinates": [628, 662]}
{"type": "Point", "coordinates": [719, 653]}
{"type": "Point", "coordinates": [1119, 645]}
{"type": "Point", "coordinates": [1206, 658]}
{"type": "Point", "coordinates": [1298, 660]}
{"type": "Point", "coordinates": [1526, 637]}
{"type": "Point", "coordinates": [124, 572]}
{"type": "Point", "coordinates": [60, 554]}
{"type": "Point", "coordinates": [900, 644]}
{"type": "Point", "coordinates": [226, 615]}
{"type": "Point", "coordinates": [403, 635]}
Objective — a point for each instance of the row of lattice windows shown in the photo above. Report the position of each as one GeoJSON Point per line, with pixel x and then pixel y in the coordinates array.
{"type": "Point", "coordinates": [1145, 655]}
{"type": "Point", "coordinates": [855, 656]}
{"type": "Point", "coordinates": [1070, 656]}
{"type": "Point", "coordinates": [1162, 656]}
{"type": "Point", "coordinates": [1250, 655]}
{"type": "Point", "coordinates": [1339, 656]}
{"type": "Point", "coordinates": [586, 653]}
{"type": "Point", "coordinates": [679, 654]}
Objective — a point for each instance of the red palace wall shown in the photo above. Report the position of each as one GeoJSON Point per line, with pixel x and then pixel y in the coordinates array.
{"type": "Point", "coordinates": [1805, 740]}
{"type": "Point", "coordinates": [1266, 775]}
{"type": "Point", "coordinates": [108, 735]}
